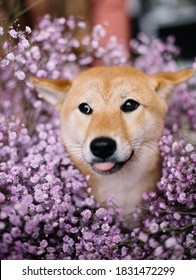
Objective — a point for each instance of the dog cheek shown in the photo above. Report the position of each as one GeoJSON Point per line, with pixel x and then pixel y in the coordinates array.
{"type": "Point", "coordinates": [136, 129]}
{"type": "Point", "coordinates": [72, 129]}
{"type": "Point", "coordinates": [154, 125]}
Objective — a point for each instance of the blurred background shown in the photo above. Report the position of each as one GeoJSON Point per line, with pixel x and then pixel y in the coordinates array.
{"type": "Point", "coordinates": [123, 18]}
{"type": "Point", "coordinates": [161, 18]}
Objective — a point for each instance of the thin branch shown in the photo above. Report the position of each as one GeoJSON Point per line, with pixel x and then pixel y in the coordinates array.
{"type": "Point", "coordinates": [22, 12]}
{"type": "Point", "coordinates": [169, 212]}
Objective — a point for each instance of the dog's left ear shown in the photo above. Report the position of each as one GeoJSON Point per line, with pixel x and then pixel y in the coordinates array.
{"type": "Point", "coordinates": [165, 81]}
{"type": "Point", "coordinates": [53, 91]}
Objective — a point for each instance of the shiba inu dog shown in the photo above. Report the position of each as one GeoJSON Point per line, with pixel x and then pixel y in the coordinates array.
{"type": "Point", "coordinates": [111, 122]}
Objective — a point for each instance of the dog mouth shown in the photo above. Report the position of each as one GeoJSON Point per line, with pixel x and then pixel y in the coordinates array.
{"type": "Point", "coordinates": [109, 167]}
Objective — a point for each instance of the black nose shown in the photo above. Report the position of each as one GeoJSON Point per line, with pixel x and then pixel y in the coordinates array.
{"type": "Point", "coordinates": [103, 147]}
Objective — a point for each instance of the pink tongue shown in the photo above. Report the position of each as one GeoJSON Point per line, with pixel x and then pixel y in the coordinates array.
{"type": "Point", "coordinates": [104, 166]}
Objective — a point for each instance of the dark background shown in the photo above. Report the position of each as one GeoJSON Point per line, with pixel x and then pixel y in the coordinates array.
{"type": "Point", "coordinates": [166, 17]}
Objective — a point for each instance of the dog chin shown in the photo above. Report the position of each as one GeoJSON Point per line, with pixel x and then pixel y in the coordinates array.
{"type": "Point", "coordinates": [108, 168]}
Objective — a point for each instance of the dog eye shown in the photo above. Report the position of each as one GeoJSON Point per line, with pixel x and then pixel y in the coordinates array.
{"type": "Point", "coordinates": [85, 109]}
{"type": "Point", "coordinates": [129, 105]}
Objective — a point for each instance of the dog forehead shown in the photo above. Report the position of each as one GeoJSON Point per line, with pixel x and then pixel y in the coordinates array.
{"type": "Point", "coordinates": [112, 73]}
{"type": "Point", "coordinates": [113, 81]}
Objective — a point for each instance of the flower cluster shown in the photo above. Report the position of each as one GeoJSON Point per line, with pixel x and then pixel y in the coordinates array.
{"type": "Point", "coordinates": [169, 219]}
{"type": "Point", "coordinates": [47, 211]}
{"type": "Point", "coordinates": [52, 50]}
{"type": "Point", "coordinates": [161, 58]}
{"type": "Point", "coordinates": [46, 207]}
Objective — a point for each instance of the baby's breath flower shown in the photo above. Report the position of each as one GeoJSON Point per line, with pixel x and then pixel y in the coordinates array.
{"type": "Point", "coordinates": [20, 75]}
{"type": "Point", "coordinates": [1, 31]}
{"type": "Point", "coordinates": [189, 148]}
{"type": "Point", "coordinates": [4, 63]}
{"type": "Point", "coordinates": [2, 197]}
{"type": "Point", "coordinates": [23, 44]}
{"type": "Point", "coordinates": [28, 29]}
{"type": "Point", "coordinates": [154, 227]}
{"type": "Point", "coordinates": [10, 56]}
{"type": "Point", "coordinates": [170, 242]}
{"type": "Point", "coordinates": [13, 33]}
{"type": "Point", "coordinates": [82, 24]}
{"type": "Point", "coordinates": [143, 237]}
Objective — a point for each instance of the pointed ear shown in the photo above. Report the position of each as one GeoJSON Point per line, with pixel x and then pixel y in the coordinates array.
{"type": "Point", "coordinates": [165, 81]}
{"type": "Point", "coordinates": [53, 91]}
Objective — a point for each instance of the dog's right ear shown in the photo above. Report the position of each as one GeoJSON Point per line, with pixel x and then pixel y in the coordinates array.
{"type": "Point", "coordinates": [53, 91]}
{"type": "Point", "coordinates": [165, 81]}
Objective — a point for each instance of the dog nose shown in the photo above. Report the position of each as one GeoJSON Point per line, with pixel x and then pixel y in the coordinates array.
{"type": "Point", "coordinates": [103, 147]}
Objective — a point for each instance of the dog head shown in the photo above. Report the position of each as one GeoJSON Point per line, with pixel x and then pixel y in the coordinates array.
{"type": "Point", "coordinates": [110, 115]}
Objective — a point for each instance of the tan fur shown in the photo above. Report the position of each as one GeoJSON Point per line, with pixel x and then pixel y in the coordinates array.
{"type": "Point", "coordinates": [105, 89]}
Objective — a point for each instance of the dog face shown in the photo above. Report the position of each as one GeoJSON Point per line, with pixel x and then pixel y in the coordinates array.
{"type": "Point", "coordinates": [110, 115]}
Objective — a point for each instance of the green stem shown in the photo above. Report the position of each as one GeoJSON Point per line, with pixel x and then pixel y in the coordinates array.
{"type": "Point", "coordinates": [170, 212]}
{"type": "Point", "coordinates": [179, 228]}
